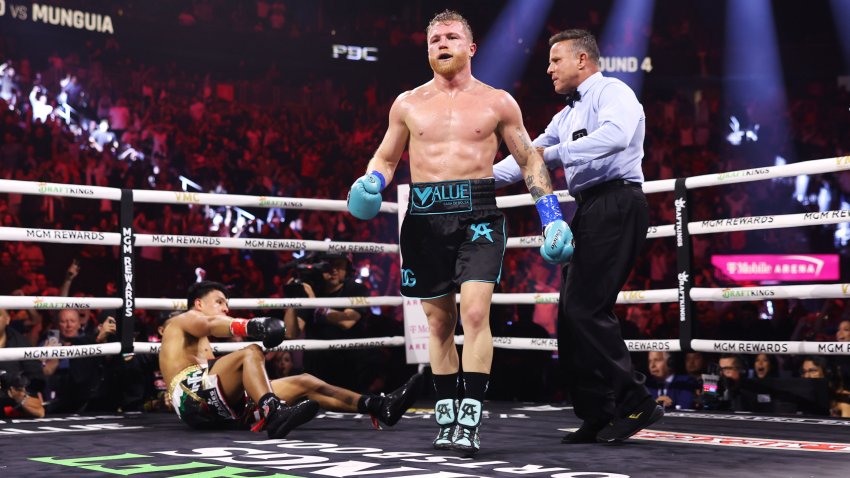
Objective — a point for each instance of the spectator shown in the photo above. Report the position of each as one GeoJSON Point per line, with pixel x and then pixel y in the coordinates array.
{"type": "Point", "coordinates": [765, 366]}
{"type": "Point", "coordinates": [30, 369]}
{"type": "Point", "coordinates": [71, 383]}
{"type": "Point", "coordinates": [669, 389]}
{"type": "Point", "coordinates": [817, 367]}
{"type": "Point", "coordinates": [842, 362]}
{"type": "Point", "coordinates": [733, 394]}
{"type": "Point", "coordinates": [15, 400]}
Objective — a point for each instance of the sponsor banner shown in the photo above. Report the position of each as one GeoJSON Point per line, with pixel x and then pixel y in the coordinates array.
{"type": "Point", "coordinates": [647, 296]}
{"type": "Point", "coordinates": [742, 442]}
{"type": "Point", "coordinates": [126, 322]}
{"type": "Point", "coordinates": [778, 267]}
{"type": "Point", "coordinates": [415, 322]}
{"type": "Point", "coordinates": [653, 345]}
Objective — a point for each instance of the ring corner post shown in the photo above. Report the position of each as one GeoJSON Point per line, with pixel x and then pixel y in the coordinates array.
{"type": "Point", "coordinates": [126, 324]}
{"type": "Point", "coordinates": [684, 272]}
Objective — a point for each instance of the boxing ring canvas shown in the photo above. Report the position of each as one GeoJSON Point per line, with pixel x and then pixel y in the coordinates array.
{"type": "Point", "coordinates": [518, 440]}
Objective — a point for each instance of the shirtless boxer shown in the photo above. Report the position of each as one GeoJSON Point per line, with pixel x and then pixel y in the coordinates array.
{"type": "Point", "coordinates": [222, 393]}
{"type": "Point", "coordinates": [453, 235]}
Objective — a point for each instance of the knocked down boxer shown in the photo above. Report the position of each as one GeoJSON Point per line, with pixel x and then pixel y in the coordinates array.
{"type": "Point", "coordinates": [234, 391]}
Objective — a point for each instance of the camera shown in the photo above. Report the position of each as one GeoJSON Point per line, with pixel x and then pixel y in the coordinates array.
{"type": "Point", "coordinates": [307, 271]}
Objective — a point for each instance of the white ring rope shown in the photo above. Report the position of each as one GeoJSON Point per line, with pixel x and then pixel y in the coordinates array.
{"type": "Point", "coordinates": [816, 166]}
{"type": "Point", "coordinates": [510, 343]}
{"type": "Point", "coordinates": [45, 302]}
{"type": "Point", "coordinates": [751, 223]}
{"type": "Point", "coordinates": [737, 294]}
{"type": "Point", "coordinates": [625, 297]}
{"type": "Point", "coordinates": [57, 189]}
{"type": "Point", "coordinates": [209, 199]}
{"type": "Point", "coordinates": [56, 303]}
{"type": "Point", "coordinates": [65, 236]}
{"type": "Point", "coordinates": [59, 236]}
{"type": "Point", "coordinates": [178, 197]}
{"type": "Point", "coordinates": [771, 347]}
{"type": "Point", "coordinates": [256, 304]}
{"type": "Point", "coordinates": [114, 348]}
{"type": "Point", "coordinates": [165, 240]}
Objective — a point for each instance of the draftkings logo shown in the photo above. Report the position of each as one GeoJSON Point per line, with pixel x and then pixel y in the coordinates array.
{"type": "Point", "coordinates": [545, 299]}
{"type": "Point", "coordinates": [683, 282]}
{"type": "Point", "coordinates": [679, 204]}
{"type": "Point", "coordinates": [750, 292]}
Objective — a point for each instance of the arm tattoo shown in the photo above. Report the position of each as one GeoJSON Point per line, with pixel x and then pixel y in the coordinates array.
{"type": "Point", "coordinates": [527, 147]}
{"type": "Point", "coordinates": [536, 192]}
{"type": "Point", "coordinates": [544, 175]}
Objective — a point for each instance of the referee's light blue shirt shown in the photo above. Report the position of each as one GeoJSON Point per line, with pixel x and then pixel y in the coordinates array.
{"type": "Point", "coordinates": [598, 139]}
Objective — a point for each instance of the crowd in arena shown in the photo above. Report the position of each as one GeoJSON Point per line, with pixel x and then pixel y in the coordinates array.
{"type": "Point", "coordinates": [99, 115]}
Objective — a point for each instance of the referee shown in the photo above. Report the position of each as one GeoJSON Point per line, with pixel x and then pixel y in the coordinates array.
{"type": "Point", "coordinates": [598, 140]}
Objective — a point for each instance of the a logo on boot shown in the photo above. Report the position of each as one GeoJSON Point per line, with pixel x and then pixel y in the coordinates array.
{"type": "Point", "coordinates": [443, 410]}
{"type": "Point", "coordinates": [468, 410]}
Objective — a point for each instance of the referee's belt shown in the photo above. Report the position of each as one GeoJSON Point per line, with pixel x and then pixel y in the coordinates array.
{"type": "Point", "coordinates": [600, 188]}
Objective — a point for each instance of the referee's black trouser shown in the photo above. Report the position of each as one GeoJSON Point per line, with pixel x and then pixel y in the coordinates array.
{"type": "Point", "coordinates": [609, 228]}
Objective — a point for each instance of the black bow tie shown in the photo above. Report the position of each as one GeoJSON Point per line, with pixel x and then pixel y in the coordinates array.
{"type": "Point", "coordinates": [571, 98]}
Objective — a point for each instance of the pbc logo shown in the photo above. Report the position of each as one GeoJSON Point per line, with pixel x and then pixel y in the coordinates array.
{"type": "Point", "coordinates": [355, 53]}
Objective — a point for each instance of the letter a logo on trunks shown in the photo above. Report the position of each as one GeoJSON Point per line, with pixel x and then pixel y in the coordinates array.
{"type": "Point", "coordinates": [481, 230]}
{"type": "Point", "coordinates": [407, 278]}
{"type": "Point", "coordinates": [441, 197]}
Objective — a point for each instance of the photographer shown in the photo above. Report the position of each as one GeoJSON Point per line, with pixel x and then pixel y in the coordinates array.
{"type": "Point", "coordinates": [327, 275]}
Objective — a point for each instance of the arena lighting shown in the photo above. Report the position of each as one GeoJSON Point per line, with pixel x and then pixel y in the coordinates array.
{"type": "Point", "coordinates": [841, 16]}
{"type": "Point", "coordinates": [503, 54]}
{"type": "Point", "coordinates": [753, 73]}
{"type": "Point", "coordinates": [625, 41]}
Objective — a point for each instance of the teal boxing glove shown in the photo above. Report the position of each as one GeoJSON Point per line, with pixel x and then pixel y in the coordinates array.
{"type": "Point", "coordinates": [557, 245]}
{"type": "Point", "coordinates": [364, 198]}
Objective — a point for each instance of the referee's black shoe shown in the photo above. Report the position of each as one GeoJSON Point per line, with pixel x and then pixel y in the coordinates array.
{"type": "Point", "coordinates": [586, 433]}
{"type": "Point", "coordinates": [622, 428]}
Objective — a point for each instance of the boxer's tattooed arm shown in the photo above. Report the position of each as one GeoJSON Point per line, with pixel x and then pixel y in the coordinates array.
{"type": "Point", "coordinates": [537, 182]}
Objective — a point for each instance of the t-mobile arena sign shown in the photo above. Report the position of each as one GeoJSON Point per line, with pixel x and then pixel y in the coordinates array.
{"type": "Point", "coordinates": [778, 267]}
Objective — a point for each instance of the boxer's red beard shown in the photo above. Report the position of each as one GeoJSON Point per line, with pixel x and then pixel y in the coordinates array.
{"type": "Point", "coordinates": [448, 68]}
